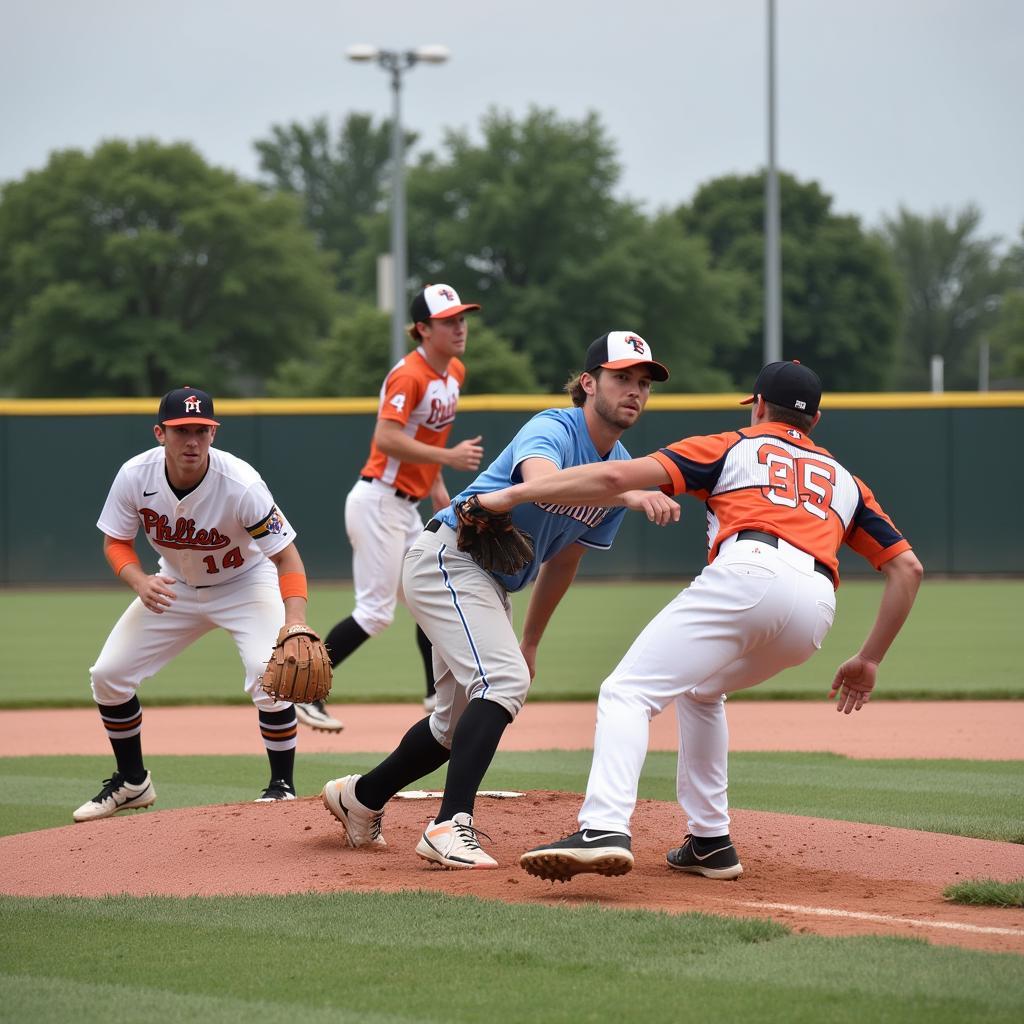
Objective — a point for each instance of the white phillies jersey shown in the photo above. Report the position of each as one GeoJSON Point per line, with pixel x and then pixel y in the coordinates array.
{"type": "Point", "coordinates": [213, 535]}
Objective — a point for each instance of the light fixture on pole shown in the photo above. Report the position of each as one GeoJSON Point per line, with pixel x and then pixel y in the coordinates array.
{"type": "Point", "coordinates": [395, 62]}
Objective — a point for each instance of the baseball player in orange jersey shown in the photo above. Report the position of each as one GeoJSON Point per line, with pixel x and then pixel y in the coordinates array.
{"type": "Point", "coordinates": [778, 509]}
{"type": "Point", "coordinates": [416, 413]}
{"type": "Point", "coordinates": [227, 559]}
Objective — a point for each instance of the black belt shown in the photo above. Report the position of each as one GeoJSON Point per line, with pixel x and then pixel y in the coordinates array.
{"type": "Point", "coordinates": [433, 526]}
{"type": "Point", "coordinates": [404, 495]}
{"type": "Point", "coordinates": [772, 541]}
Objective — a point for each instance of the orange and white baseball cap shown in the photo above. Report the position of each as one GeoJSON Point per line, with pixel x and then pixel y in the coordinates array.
{"type": "Point", "coordinates": [182, 406]}
{"type": "Point", "coordinates": [619, 349]}
{"type": "Point", "coordinates": [437, 302]}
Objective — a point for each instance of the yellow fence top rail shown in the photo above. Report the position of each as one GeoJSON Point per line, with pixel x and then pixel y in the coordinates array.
{"type": "Point", "coordinates": [499, 403]}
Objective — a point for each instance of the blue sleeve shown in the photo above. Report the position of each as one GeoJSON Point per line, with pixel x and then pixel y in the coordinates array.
{"type": "Point", "coordinates": [545, 437]}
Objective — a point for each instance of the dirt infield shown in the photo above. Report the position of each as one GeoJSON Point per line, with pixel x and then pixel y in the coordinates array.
{"type": "Point", "coordinates": [828, 877]}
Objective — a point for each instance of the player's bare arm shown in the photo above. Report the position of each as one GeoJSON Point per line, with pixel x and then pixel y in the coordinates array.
{"type": "Point", "coordinates": [439, 496]}
{"type": "Point", "coordinates": [289, 564]}
{"type": "Point", "coordinates": [154, 591]}
{"type": "Point", "coordinates": [855, 678]}
{"type": "Point", "coordinates": [610, 483]}
{"type": "Point", "coordinates": [549, 588]}
{"type": "Point", "coordinates": [390, 438]}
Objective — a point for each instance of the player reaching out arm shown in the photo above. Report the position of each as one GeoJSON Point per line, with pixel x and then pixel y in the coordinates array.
{"type": "Point", "coordinates": [418, 401]}
{"type": "Point", "coordinates": [778, 508]}
{"type": "Point", "coordinates": [484, 670]}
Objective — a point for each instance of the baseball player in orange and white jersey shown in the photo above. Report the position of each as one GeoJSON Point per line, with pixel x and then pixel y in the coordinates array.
{"type": "Point", "coordinates": [227, 559]}
{"type": "Point", "coordinates": [778, 509]}
{"type": "Point", "coordinates": [417, 407]}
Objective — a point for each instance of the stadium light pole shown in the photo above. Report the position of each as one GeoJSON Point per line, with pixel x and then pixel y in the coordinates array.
{"type": "Point", "coordinates": [772, 219]}
{"type": "Point", "coordinates": [395, 62]}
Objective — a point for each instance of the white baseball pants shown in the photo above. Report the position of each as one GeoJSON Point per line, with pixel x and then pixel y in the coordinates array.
{"type": "Point", "coordinates": [381, 528]}
{"type": "Point", "coordinates": [467, 617]}
{"type": "Point", "coordinates": [753, 612]}
{"type": "Point", "coordinates": [250, 608]}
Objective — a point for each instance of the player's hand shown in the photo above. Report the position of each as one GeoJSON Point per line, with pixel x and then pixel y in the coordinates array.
{"type": "Point", "coordinates": [466, 454]}
{"type": "Point", "coordinates": [854, 680]}
{"type": "Point", "coordinates": [659, 508]}
{"type": "Point", "coordinates": [155, 592]}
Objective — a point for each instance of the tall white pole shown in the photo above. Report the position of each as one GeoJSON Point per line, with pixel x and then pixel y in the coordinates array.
{"type": "Point", "coordinates": [398, 248]}
{"type": "Point", "coordinates": [772, 218]}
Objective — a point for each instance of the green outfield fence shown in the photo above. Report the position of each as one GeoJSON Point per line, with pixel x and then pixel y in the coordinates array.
{"type": "Point", "coordinates": [946, 467]}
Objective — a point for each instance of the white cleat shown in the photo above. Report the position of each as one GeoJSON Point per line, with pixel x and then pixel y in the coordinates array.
{"type": "Point", "coordinates": [454, 844]}
{"type": "Point", "coordinates": [362, 825]}
{"type": "Point", "coordinates": [316, 716]}
{"type": "Point", "coordinates": [116, 795]}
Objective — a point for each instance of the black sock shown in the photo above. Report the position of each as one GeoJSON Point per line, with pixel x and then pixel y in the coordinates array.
{"type": "Point", "coordinates": [119, 719]}
{"type": "Point", "coordinates": [343, 639]}
{"type": "Point", "coordinates": [704, 843]}
{"type": "Point", "coordinates": [476, 739]}
{"type": "Point", "coordinates": [427, 654]}
{"type": "Point", "coordinates": [417, 755]}
{"type": "Point", "coordinates": [280, 727]}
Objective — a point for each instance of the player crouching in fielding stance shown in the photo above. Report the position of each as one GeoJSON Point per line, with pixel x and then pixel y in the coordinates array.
{"type": "Point", "coordinates": [483, 672]}
{"type": "Point", "coordinates": [778, 509]}
{"type": "Point", "coordinates": [227, 559]}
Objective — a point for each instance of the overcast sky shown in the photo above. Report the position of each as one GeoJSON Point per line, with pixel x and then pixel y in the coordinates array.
{"type": "Point", "coordinates": [883, 102]}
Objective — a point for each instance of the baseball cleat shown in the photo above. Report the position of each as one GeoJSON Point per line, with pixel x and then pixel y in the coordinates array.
{"type": "Point", "coordinates": [278, 789]}
{"type": "Point", "coordinates": [116, 795]}
{"type": "Point", "coordinates": [718, 859]}
{"type": "Point", "coordinates": [589, 851]}
{"type": "Point", "coordinates": [454, 844]}
{"type": "Point", "coordinates": [316, 716]}
{"type": "Point", "coordinates": [362, 824]}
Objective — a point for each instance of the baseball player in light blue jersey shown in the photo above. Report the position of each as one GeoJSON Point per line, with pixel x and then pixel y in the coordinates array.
{"type": "Point", "coordinates": [482, 670]}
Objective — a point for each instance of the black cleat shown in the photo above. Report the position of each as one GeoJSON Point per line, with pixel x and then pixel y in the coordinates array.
{"type": "Point", "coordinates": [589, 851]}
{"type": "Point", "coordinates": [718, 859]}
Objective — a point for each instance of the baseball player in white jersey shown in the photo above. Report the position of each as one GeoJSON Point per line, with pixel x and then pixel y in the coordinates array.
{"type": "Point", "coordinates": [483, 672]}
{"type": "Point", "coordinates": [778, 509]}
{"type": "Point", "coordinates": [417, 407]}
{"type": "Point", "coordinates": [227, 559]}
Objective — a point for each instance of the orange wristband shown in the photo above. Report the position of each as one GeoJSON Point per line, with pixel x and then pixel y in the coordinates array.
{"type": "Point", "coordinates": [120, 553]}
{"type": "Point", "coordinates": [293, 584]}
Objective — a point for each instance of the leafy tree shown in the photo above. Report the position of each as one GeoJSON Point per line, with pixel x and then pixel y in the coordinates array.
{"type": "Point", "coordinates": [951, 281]}
{"type": "Point", "coordinates": [840, 299]}
{"type": "Point", "coordinates": [138, 267]}
{"type": "Point", "coordinates": [340, 182]}
{"type": "Point", "coordinates": [355, 357]}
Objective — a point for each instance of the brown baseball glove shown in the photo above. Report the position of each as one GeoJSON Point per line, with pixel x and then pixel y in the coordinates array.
{"type": "Point", "coordinates": [299, 668]}
{"type": "Point", "coordinates": [494, 541]}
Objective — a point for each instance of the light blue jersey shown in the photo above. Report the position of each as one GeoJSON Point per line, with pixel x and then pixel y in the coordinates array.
{"type": "Point", "coordinates": [561, 437]}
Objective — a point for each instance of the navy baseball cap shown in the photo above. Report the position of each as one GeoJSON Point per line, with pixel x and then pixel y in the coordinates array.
{"type": "Point", "coordinates": [618, 349]}
{"type": "Point", "coordinates": [438, 302]}
{"type": "Point", "coordinates": [186, 405]}
{"type": "Point", "coordinates": [788, 384]}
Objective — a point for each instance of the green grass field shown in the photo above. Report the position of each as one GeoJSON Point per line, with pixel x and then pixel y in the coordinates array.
{"type": "Point", "coordinates": [963, 640]}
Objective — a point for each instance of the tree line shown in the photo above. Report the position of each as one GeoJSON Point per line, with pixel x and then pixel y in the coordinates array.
{"type": "Point", "coordinates": [126, 270]}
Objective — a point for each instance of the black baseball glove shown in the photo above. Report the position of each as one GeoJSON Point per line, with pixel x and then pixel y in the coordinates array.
{"type": "Point", "coordinates": [492, 539]}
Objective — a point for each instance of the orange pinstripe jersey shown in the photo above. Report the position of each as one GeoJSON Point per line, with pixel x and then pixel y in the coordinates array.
{"type": "Point", "coordinates": [424, 403]}
{"type": "Point", "coordinates": [772, 477]}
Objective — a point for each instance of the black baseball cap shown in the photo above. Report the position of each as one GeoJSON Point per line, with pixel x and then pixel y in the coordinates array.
{"type": "Point", "coordinates": [186, 405]}
{"type": "Point", "coordinates": [788, 384]}
{"type": "Point", "coordinates": [438, 302]}
{"type": "Point", "coordinates": [618, 349]}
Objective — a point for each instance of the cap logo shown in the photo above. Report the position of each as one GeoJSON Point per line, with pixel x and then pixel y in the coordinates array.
{"type": "Point", "coordinates": [637, 343]}
{"type": "Point", "coordinates": [192, 405]}
{"type": "Point", "coordinates": [446, 293]}
{"type": "Point", "coordinates": [799, 404]}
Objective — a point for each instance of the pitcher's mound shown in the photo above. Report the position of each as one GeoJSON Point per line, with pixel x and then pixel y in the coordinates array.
{"type": "Point", "coordinates": [830, 877]}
